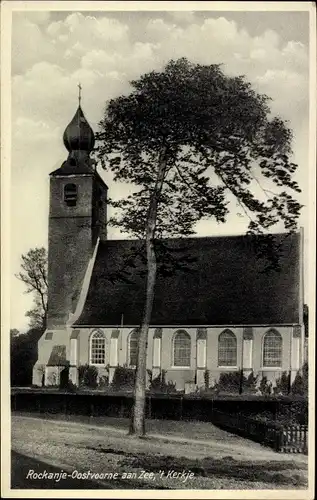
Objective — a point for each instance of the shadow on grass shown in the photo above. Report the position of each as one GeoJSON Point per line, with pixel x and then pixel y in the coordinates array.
{"type": "Point", "coordinates": [272, 472]}
{"type": "Point", "coordinates": [22, 466]}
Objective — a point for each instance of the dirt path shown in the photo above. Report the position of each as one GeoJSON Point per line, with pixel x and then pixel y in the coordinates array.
{"type": "Point", "coordinates": [222, 461]}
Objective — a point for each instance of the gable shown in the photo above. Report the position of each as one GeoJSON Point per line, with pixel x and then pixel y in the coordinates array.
{"type": "Point", "coordinates": [218, 281]}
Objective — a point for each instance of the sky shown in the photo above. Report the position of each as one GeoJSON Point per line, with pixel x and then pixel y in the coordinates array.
{"type": "Point", "coordinates": [53, 51]}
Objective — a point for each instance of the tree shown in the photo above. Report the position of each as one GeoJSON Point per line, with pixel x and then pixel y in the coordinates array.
{"type": "Point", "coordinates": [14, 333]}
{"type": "Point", "coordinates": [23, 356]}
{"type": "Point", "coordinates": [34, 276]}
{"type": "Point", "coordinates": [191, 140]}
{"type": "Point", "coordinates": [297, 387]}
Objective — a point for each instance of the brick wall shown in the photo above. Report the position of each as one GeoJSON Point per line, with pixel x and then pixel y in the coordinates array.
{"type": "Point", "coordinates": [73, 231]}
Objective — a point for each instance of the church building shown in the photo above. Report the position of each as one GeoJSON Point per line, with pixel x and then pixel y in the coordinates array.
{"type": "Point", "coordinates": [222, 313]}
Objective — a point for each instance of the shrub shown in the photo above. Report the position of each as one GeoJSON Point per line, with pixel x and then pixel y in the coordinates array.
{"type": "Point", "coordinates": [265, 387]}
{"type": "Point", "coordinates": [210, 391]}
{"type": "Point", "coordinates": [158, 384]}
{"type": "Point", "coordinates": [293, 411]}
{"type": "Point", "coordinates": [298, 384]}
{"type": "Point", "coordinates": [71, 387]}
{"type": "Point", "coordinates": [81, 372]}
{"type": "Point", "coordinates": [282, 384]}
{"type": "Point", "coordinates": [103, 381]}
{"type": "Point", "coordinates": [235, 382]}
{"type": "Point", "coordinates": [229, 382]}
{"type": "Point", "coordinates": [305, 378]}
{"type": "Point", "coordinates": [123, 378]}
{"type": "Point", "coordinates": [88, 375]}
{"type": "Point", "coordinates": [249, 384]}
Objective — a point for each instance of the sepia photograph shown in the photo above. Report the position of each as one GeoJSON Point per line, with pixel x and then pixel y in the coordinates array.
{"type": "Point", "coordinates": [158, 183]}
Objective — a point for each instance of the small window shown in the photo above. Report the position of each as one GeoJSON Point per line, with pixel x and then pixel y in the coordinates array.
{"type": "Point", "coordinates": [70, 195]}
{"type": "Point", "coordinates": [272, 349]}
{"type": "Point", "coordinates": [182, 349]}
{"type": "Point", "coordinates": [49, 336]}
{"type": "Point", "coordinates": [227, 349]}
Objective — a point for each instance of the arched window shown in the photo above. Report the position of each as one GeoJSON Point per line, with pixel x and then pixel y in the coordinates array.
{"type": "Point", "coordinates": [181, 349]}
{"type": "Point", "coordinates": [97, 348]}
{"type": "Point", "coordinates": [70, 195]}
{"type": "Point", "coordinates": [133, 341]}
{"type": "Point", "coordinates": [227, 349]}
{"type": "Point", "coordinates": [272, 349]}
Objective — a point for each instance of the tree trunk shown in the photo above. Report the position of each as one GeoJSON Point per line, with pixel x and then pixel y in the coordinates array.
{"type": "Point", "coordinates": [138, 415]}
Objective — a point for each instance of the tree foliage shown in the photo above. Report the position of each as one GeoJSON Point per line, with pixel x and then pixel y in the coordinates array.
{"type": "Point", "coordinates": [34, 276]}
{"type": "Point", "coordinates": [219, 139]}
{"type": "Point", "coordinates": [300, 383]}
{"type": "Point", "coordinates": [23, 356]}
{"type": "Point", "coordinates": [14, 332]}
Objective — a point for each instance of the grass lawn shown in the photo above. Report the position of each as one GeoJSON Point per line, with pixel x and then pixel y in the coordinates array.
{"type": "Point", "coordinates": [215, 459]}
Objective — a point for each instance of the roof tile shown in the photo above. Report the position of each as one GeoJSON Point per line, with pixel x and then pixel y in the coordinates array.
{"type": "Point", "coordinates": [210, 281]}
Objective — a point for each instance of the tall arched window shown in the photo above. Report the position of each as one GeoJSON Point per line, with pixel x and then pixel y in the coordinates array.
{"type": "Point", "coordinates": [70, 195]}
{"type": "Point", "coordinates": [133, 341]}
{"type": "Point", "coordinates": [181, 349]}
{"type": "Point", "coordinates": [227, 349]}
{"type": "Point", "coordinates": [272, 349]}
{"type": "Point", "coordinates": [97, 348]}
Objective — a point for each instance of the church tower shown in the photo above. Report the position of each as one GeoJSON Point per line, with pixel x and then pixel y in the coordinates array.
{"type": "Point", "coordinates": [77, 220]}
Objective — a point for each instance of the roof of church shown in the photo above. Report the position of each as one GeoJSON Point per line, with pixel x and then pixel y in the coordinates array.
{"type": "Point", "coordinates": [78, 134]}
{"type": "Point", "coordinates": [79, 140]}
{"type": "Point", "coordinates": [69, 168]}
{"type": "Point", "coordinates": [80, 168]}
{"type": "Point", "coordinates": [217, 281]}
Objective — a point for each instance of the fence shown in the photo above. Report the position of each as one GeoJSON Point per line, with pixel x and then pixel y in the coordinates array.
{"type": "Point", "coordinates": [294, 439]}
{"type": "Point", "coordinates": [282, 438]}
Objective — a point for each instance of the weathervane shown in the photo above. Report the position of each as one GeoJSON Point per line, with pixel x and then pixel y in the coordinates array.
{"type": "Point", "coordinates": [79, 93]}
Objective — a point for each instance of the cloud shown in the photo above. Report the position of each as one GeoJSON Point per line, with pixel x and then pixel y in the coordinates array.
{"type": "Point", "coordinates": [182, 16]}
{"type": "Point", "coordinates": [50, 57]}
{"type": "Point", "coordinates": [39, 17]}
{"type": "Point", "coordinates": [99, 50]}
{"type": "Point", "coordinates": [275, 82]}
{"type": "Point", "coordinates": [28, 43]}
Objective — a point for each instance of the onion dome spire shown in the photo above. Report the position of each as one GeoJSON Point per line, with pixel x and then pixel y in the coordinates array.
{"type": "Point", "coordinates": [78, 135]}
